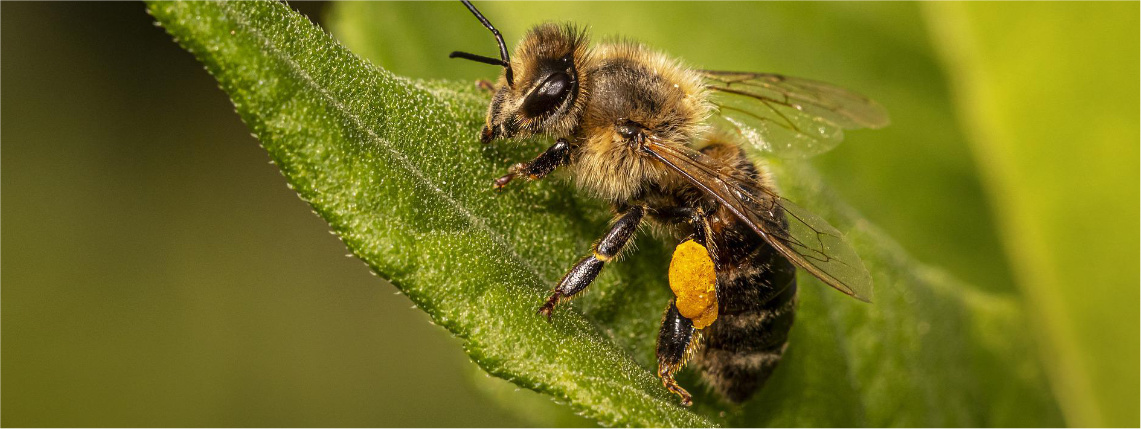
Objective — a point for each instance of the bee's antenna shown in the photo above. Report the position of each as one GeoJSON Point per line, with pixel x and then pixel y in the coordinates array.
{"type": "Point", "coordinates": [476, 58]}
{"type": "Point", "coordinates": [505, 60]}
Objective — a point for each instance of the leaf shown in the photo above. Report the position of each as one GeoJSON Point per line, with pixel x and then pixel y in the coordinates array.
{"type": "Point", "coordinates": [394, 169]}
{"type": "Point", "coordinates": [1059, 153]}
{"type": "Point", "coordinates": [393, 165]}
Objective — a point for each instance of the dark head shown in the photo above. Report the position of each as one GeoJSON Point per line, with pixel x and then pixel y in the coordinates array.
{"type": "Point", "coordinates": [540, 91]}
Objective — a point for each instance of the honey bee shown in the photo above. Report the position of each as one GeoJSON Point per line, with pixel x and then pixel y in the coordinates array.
{"type": "Point", "coordinates": [667, 144]}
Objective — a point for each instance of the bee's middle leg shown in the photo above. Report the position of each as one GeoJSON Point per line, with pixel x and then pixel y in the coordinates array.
{"type": "Point", "coordinates": [677, 340]}
{"type": "Point", "coordinates": [537, 168]}
{"type": "Point", "coordinates": [606, 249]}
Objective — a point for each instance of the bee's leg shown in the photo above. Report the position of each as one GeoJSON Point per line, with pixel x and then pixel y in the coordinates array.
{"type": "Point", "coordinates": [485, 85]}
{"type": "Point", "coordinates": [588, 268]}
{"type": "Point", "coordinates": [542, 165]}
{"type": "Point", "coordinates": [676, 342]}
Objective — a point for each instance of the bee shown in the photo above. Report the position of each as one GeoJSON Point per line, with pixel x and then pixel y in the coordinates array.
{"type": "Point", "coordinates": [669, 145]}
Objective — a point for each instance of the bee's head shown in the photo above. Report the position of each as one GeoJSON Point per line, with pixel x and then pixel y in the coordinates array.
{"type": "Point", "coordinates": [540, 91]}
{"type": "Point", "coordinates": [545, 95]}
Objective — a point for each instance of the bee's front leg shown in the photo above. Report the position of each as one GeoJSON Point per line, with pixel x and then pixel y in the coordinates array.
{"type": "Point", "coordinates": [606, 249]}
{"type": "Point", "coordinates": [676, 342]}
{"type": "Point", "coordinates": [542, 165]}
{"type": "Point", "coordinates": [485, 85]}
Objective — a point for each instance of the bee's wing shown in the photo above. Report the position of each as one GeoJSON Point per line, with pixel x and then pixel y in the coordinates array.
{"type": "Point", "coordinates": [802, 237]}
{"type": "Point", "coordinates": [787, 116]}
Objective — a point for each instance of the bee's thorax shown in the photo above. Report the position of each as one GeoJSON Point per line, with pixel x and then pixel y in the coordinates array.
{"type": "Point", "coordinates": [635, 94]}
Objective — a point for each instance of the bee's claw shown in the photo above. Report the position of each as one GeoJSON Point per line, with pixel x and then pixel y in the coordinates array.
{"type": "Point", "coordinates": [545, 311]}
{"type": "Point", "coordinates": [512, 172]}
{"type": "Point", "coordinates": [502, 182]}
{"type": "Point", "coordinates": [549, 307]}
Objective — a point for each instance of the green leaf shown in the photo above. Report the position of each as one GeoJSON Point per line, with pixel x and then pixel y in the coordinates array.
{"type": "Point", "coordinates": [394, 167]}
{"type": "Point", "coordinates": [1049, 93]}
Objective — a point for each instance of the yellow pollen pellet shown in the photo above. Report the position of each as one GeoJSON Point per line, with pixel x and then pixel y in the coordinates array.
{"type": "Point", "coordinates": [694, 283]}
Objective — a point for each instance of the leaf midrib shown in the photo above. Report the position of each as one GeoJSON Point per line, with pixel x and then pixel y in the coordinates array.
{"type": "Point", "coordinates": [403, 163]}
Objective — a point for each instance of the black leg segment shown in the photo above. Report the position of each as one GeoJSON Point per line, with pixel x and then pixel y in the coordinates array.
{"type": "Point", "coordinates": [606, 249]}
{"type": "Point", "coordinates": [539, 167]}
{"type": "Point", "coordinates": [676, 341]}
{"type": "Point", "coordinates": [579, 277]}
{"type": "Point", "coordinates": [620, 233]}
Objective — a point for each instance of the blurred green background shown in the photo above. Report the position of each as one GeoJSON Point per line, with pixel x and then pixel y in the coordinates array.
{"type": "Point", "coordinates": [159, 273]}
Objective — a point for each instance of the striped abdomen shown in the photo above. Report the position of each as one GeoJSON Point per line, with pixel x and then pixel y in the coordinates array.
{"type": "Point", "coordinates": [756, 290]}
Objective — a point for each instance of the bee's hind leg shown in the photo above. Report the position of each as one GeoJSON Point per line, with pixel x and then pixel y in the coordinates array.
{"type": "Point", "coordinates": [537, 168]}
{"type": "Point", "coordinates": [677, 341]}
{"type": "Point", "coordinates": [606, 249]}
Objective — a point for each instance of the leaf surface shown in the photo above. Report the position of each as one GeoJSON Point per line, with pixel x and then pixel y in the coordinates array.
{"type": "Point", "coordinates": [1059, 153]}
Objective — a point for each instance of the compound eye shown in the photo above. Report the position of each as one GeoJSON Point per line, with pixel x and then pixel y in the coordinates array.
{"type": "Point", "coordinates": [548, 95]}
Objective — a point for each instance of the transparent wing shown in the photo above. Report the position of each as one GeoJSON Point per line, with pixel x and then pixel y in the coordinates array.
{"type": "Point", "coordinates": [786, 116]}
{"type": "Point", "coordinates": [802, 237]}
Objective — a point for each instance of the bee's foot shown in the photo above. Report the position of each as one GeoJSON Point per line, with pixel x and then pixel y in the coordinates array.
{"type": "Point", "coordinates": [502, 182]}
{"type": "Point", "coordinates": [485, 85]}
{"type": "Point", "coordinates": [686, 398]}
{"type": "Point", "coordinates": [512, 173]}
{"type": "Point", "coordinates": [549, 307]}
{"type": "Point", "coordinates": [546, 312]}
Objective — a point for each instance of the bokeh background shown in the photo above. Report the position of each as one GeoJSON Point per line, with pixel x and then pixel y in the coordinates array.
{"type": "Point", "coordinates": [158, 272]}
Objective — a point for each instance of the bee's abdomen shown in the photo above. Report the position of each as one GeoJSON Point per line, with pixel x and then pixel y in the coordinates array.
{"type": "Point", "coordinates": [756, 289]}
